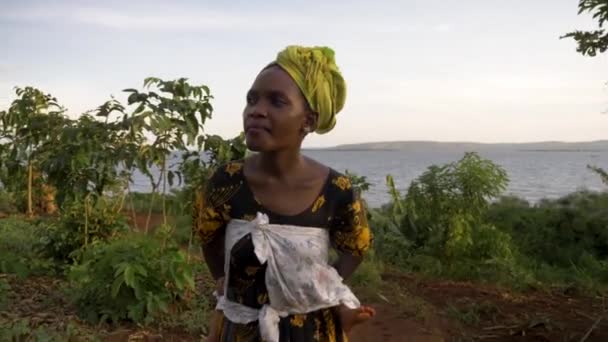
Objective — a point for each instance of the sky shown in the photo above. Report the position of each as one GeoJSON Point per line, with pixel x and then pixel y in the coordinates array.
{"type": "Point", "coordinates": [441, 70]}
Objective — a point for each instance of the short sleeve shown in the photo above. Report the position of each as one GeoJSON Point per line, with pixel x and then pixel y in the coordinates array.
{"type": "Point", "coordinates": [350, 231]}
{"type": "Point", "coordinates": [210, 213]}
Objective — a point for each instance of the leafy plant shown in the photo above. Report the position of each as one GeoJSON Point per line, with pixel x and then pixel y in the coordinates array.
{"type": "Point", "coordinates": [19, 248]}
{"type": "Point", "coordinates": [359, 183]}
{"type": "Point", "coordinates": [31, 123]}
{"type": "Point", "coordinates": [7, 203]}
{"type": "Point", "coordinates": [442, 208]}
{"type": "Point", "coordinates": [174, 115]}
{"type": "Point", "coordinates": [134, 278]}
{"type": "Point", "coordinates": [591, 42]}
{"type": "Point", "coordinates": [81, 224]}
{"type": "Point", "coordinates": [92, 156]}
{"type": "Point", "coordinates": [24, 330]}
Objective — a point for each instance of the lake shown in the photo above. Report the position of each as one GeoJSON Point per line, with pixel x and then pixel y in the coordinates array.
{"type": "Point", "coordinates": [533, 174]}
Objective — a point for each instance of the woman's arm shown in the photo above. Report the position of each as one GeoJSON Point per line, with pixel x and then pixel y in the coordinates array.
{"type": "Point", "coordinates": [347, 264]}
{"type": "Point", "coordinates": [350, 233]}
{"type": "Point", "coordinates": [209, 224]}
{"type": "Point", "coordinates": [213, 252]}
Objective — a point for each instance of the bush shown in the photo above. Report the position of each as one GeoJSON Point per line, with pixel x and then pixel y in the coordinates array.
{"type": "Point", "coordinates": [24, 329]}
{"type": "Point", "coordinates": [442, 215]}
{"type": "Point", "coordinates": [19, 248]}
{"type": "Point", "coordinates": [7, 203]}
{"type": "Point", "coordinates": [133, 278]}
{"type": "Point", "coordinates": [575, 225]}
{"type": "Point", "coordinates": [65, 237]}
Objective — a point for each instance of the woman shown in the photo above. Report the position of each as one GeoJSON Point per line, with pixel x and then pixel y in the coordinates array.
{"type": "Point", "coordinates": [283, 191]}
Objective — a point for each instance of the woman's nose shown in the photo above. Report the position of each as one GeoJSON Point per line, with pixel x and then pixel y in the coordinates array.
{"type": "Point", "coordinates": [257, 110]}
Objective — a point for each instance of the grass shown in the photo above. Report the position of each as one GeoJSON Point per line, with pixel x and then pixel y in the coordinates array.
{"type": "Point", "coordinates": [472, 313]}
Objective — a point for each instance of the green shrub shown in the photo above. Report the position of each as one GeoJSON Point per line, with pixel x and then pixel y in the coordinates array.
{"type": "Point", "coordinates": [142, 202]}
{"type": "Point", "coordinates": [562, 241]}
{"type": "Point", "coordinates": [195, 318]}
{"type": "Point", "coordinates": [65, 237]}
{"type": "Point", "coordinates": [442, 215]}
{"type": "Point", "coordinates": [19, 246]}
{"type": "Point", "coordinates": [7, 203]}
{"type": "Point", "coordinates": [183, 229]}
{"type": "Point", "coordinates": [133, 278]}
{"type": "Point", "coordinates": [23, 330]}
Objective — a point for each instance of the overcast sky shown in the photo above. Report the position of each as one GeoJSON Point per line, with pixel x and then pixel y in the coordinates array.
{"type": "Point", "coordinates": [445, 70]}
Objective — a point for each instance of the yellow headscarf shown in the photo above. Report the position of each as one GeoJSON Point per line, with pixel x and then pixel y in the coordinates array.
{"type": "Point", "coordinates": [315, 72]}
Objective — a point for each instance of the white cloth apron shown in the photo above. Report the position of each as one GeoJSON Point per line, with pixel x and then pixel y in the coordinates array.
{"type": "Point", "coordinates": [298, 277]}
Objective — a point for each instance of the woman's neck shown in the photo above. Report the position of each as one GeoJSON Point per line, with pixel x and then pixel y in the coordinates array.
{"type": "Point", "coordinates": [279, 164]}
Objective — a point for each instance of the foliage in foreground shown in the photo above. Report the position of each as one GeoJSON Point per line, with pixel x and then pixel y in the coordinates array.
{"type": "Point", "coordinates": [22, 330]}
{"type": "Point", "coordinates": [137, 278]}
{"type": "Point", "coordinates": [79, 225]}
{"type": "Point", "coordinates": [19, 248]}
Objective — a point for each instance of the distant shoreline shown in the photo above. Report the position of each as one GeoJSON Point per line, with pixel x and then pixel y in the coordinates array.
{"type": "Point", "coordinates": [548, 146]}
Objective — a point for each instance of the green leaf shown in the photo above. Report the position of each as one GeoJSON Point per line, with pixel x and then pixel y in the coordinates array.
{"type": "Point", "coordinates": [120, 269]}
{"type": "Point", "coordinates": [116, 286]}
{"type": "Point", "coordinates": [140, 270]}
{"type": "Point", "coordinates": [134, 97]}
{"type": "Point", "coordinates": [129, 276]}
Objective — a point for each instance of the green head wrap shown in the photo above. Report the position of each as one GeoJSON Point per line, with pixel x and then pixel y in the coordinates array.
{"type": "Point", "coordinates": [315, 72]}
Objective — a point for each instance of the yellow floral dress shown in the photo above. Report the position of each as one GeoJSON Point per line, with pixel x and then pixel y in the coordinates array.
{"type": "Point", "coordinates": [337, 208]}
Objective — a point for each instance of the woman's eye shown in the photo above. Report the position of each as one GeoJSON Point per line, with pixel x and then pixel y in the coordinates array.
{"type": "Point", "coordinates": [278, 101]}
{"type": "Point", "coordinates": [250, 100]}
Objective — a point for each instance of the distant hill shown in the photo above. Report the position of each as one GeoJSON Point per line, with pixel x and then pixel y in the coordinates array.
{"type": "Point", "coordinates": [556, 146]}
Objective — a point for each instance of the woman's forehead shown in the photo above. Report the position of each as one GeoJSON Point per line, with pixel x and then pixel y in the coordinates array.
{"type": "Point", "coordinates": [273, 79]}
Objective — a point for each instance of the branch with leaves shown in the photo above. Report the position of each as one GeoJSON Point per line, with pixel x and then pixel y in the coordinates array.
{"type": "Point", "coordinates": [590, 43]}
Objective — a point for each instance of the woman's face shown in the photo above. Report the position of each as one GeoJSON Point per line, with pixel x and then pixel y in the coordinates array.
{"type": "Point", "coordinates": [276, 113]}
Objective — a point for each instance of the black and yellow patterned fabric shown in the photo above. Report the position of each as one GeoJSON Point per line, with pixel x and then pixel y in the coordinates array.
{"type": "Point", "coordinates": [337, 208]}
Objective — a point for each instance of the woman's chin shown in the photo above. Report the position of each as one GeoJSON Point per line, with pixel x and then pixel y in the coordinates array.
{"type": "Point", "coordinates": [254, 145]}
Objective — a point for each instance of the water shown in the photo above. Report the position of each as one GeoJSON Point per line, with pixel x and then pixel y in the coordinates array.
{"type": "Point", "coordinates": [533, 175]}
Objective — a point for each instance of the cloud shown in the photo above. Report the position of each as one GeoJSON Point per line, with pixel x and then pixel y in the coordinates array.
{"type": "Point", "coordinates": [198, 18]}
{"type": "Point", "coordinates": [443, 28]}
{"type": "Point", "coordinates": [194, 19]}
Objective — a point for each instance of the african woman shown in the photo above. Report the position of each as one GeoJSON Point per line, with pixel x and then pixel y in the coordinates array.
{"type": "Point", "coordinates": [266, 222]}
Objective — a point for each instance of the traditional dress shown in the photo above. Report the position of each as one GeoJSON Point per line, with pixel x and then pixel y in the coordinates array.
{"type": "Point", "coordinates": [257, 271]}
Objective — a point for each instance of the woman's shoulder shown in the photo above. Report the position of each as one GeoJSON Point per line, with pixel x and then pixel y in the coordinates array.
{"type": "Point", "coordinates": [339, 182]}
{"type": "Point", "coordinates": [225, 172]}
{"type": "Point", "coordinates": [224, 176]}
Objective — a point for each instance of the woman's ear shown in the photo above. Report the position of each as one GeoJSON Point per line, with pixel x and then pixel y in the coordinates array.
{"type": "Point", "coordinates": [310, 122]}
